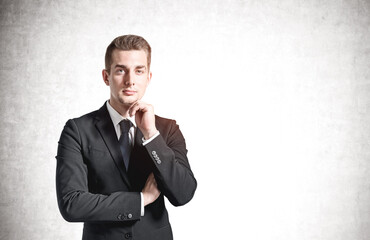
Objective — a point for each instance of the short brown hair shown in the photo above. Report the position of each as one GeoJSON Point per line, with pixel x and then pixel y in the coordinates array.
{"type": "Point", "coordinates": [127, 43]}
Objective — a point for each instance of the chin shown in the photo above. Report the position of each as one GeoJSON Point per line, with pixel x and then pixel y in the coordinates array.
{"type": "Point", "coordinates": [127, 100]}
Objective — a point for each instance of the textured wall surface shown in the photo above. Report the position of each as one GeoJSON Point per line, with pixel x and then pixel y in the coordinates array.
{"type": "Point", "coordinates": [273, 98]}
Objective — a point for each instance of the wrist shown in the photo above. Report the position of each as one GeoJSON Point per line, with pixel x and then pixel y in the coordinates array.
{"type": "Point", "coordinates": [149, 134]}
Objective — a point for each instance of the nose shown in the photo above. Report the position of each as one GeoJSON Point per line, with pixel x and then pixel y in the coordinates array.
{"type": "Point", "coordinates": [129, 79]}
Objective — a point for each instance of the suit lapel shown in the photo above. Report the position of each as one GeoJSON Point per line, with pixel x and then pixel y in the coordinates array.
{"type": "Point", "coordinates": [106, 129]}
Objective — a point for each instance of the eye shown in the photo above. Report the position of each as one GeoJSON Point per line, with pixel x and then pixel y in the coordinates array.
{"type": "Point", "coordinates": [139, 71]}
{"type": "Point", "coordinates": [120, 71]}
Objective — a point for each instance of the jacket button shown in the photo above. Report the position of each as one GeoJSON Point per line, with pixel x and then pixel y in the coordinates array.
{"type": "Point", "coordinates": [119, 216]}
{"type": "Point", "coordinates": [128, 235]}
{"type": "Point", "coordinates": [159, 161]}
{"type": "Point", "coordinates": [154, 153]}
{"type": "Point", "coordinates": [129, 216]}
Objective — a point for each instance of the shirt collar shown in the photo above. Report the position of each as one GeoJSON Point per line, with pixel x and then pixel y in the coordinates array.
{"type": "Point", "coordinates": [116, 117]}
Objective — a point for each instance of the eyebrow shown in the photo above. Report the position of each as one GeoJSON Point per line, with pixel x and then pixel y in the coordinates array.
{"type": "Point", "coordinates": [125, 67]}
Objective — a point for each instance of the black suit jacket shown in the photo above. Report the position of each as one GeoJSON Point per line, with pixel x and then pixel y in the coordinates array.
{"type": "Point", "coordinates": [94, 187]}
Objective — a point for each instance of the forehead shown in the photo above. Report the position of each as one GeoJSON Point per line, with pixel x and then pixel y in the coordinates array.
{"type": "Point", "coordinates": [131, 57]}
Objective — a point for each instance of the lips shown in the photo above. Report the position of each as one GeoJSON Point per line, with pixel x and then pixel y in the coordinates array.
{"type": "Point", "coordinates": [129, 92]}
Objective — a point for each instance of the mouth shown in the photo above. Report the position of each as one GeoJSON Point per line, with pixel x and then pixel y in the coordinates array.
{"type": "Point", "coordinates": [128, 92]}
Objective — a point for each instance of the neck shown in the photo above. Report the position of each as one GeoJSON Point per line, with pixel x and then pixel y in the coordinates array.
{"type": "Point", "coordinates": [120, 108]}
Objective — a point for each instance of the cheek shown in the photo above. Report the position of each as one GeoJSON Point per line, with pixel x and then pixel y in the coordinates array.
{"type": "Point", "coordinates": [142, 87]}
{"type": "Point", "coordinates": [115, 82]}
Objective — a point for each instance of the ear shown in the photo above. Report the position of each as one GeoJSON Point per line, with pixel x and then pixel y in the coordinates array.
{"type": "Point", "coordinates": [149, 77]}
{"type": "Point", "coordinates": [105, 75]}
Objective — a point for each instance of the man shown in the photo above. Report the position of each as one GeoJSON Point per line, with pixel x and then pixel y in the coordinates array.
{"type": "Point", "coordinates": [116, 164]}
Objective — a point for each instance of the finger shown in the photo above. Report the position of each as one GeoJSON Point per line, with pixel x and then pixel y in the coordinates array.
{"type": "Point", "coordinates": [148, 180]}
{"type": "Point", "coordinates": [155, 183]}
{"type": "Point", "coordinates": [138, 106]}
{"type": "Point", "coordinates": [132, 109]}
{"type": "Point", "coordinates": [151, 177]}
{"type": "Point", "coordinates": [152, 180]}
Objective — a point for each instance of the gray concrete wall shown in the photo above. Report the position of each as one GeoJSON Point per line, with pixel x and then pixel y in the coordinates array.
{"type": "Point", "coordinates": [273, 98]}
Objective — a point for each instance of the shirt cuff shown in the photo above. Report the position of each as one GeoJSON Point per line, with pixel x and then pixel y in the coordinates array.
{"type": "Point", "coordinates": [145, 142]}
{"type": "Point", "coordinates": [142, 204]}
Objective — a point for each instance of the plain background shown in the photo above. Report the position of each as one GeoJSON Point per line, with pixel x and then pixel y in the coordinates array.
{"type": "Point", "coordinates": [273, 98]}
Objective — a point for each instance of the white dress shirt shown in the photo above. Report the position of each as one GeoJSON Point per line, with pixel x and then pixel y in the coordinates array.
{"type": "Point", "coordinates": [116, 119]}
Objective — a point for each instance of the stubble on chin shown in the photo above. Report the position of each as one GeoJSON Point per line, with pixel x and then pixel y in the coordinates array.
{"type": "Point", "coordinates": [126, 102]}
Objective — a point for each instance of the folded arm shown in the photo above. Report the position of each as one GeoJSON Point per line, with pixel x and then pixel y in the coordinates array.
{"type": "Point", "coordinates": [75, 202]}
{"type": "Point", "coordinates": [172, 170]}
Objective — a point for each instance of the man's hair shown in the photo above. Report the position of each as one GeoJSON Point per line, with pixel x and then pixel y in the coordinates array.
{"type": "Point", "coordinates": [127, 43]}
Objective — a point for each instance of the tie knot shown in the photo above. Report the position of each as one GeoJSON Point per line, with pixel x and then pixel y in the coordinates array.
{"type": "Point", "coordinates": [125, 125]}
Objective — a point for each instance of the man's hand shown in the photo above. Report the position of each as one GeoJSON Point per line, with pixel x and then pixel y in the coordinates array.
{"type": "Point", "coordinates": [150, 190]}
{"type": "Point", "coordinates": [144, 117]}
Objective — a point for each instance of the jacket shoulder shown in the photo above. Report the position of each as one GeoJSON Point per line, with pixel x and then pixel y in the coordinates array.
{"type": "Point", "coordinates": [86, 117]}
{"type": "Point", "coordinates": [101, 113]}
{"type": "Point", "coordinates": [162, 122]}
{"type": "Point", "coordinates": [166, 126]}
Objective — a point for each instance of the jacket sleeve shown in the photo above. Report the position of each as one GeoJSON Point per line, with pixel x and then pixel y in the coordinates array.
{"type": "Point", "coordinates": [172, 170]}
{"type": "Point", "coordinates": [75, 202]}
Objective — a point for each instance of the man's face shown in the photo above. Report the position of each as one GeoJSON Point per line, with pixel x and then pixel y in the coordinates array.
{"type": "Point", "coordinates": [128, 77]}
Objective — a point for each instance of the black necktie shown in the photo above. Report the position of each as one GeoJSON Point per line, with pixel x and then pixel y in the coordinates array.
{"type": "Point", "coordinates": [124, 141]}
